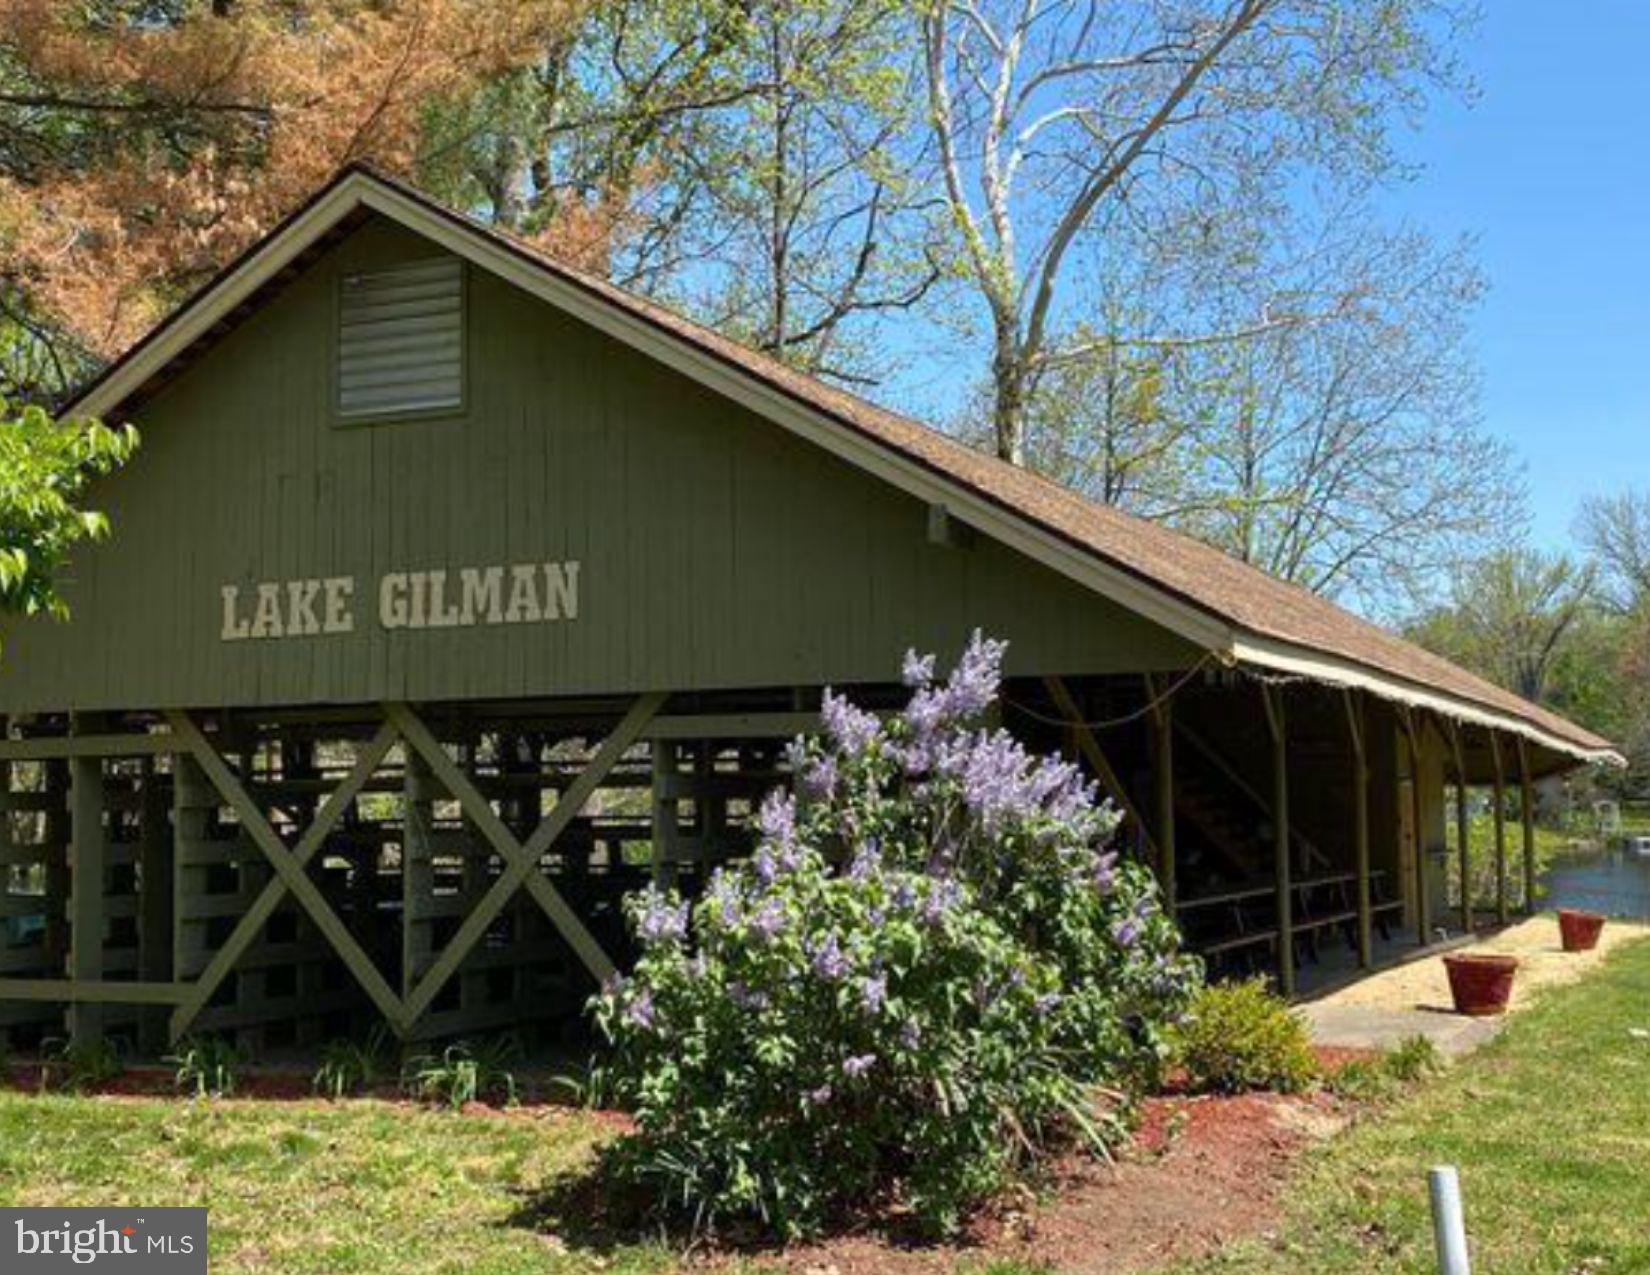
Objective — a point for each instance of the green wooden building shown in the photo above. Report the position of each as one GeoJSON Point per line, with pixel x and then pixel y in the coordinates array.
{"type": "Point", "coordinates": [455, 593]}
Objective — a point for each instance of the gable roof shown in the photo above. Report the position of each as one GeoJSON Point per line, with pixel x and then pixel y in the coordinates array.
{"type": "Point", "coordinates": [1237, 612]}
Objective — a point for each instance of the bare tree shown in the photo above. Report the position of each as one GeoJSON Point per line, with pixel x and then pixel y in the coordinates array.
{"type": "Point", "coordinates": [1616, 529]}
{"type": "Point", "coordinates": [1060, 122]}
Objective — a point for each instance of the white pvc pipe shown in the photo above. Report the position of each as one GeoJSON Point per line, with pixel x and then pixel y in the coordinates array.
{"type": "Point", "coordinates": [1448, 1226]}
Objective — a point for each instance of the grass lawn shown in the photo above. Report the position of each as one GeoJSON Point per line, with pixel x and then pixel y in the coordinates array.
{"type": "Point", "coordinates": [1549, 1126]}
{"type": "Point", "coordinates": [295, 1187]}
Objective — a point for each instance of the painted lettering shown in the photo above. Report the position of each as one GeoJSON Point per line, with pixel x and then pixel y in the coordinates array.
{"type": "Point", "coordinates": [435, 598]}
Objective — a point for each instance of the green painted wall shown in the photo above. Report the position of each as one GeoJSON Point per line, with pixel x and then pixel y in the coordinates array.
{"type": "Point", "coordinates": [716, 549]}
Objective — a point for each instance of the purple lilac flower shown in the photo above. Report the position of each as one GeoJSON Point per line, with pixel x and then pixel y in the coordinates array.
{"type": "Point", "coordinates": [769, 919]}
{"type": "Point", "coordinates": [942, 895]}
{"type": "Point", "coordinates": [910, 1034]}
{"type": "Point", "coordinates": [829, 961]}
{"type": "Point", "coordinates": [1045, 1004]}
{"type": "Point", "coordinates": [1126, 932]}
{"type": "Point", "coordinates": [819, 778]}
{"type": "Point", "coordinates": [857, 1066]}
{"type": "Point", "coordinates": [905, 894]}
{"type": "Point", "coordinates": [873, 992]}
{"type": "Point", "coordinates": [818, 1097]}
{"type": "Point", "coordinates": [1105, 872]}
{"type": "Point", "coordinates": [973, 684]}
{"type": "Point", "coordinates": [852, 729]}
{"type": "Point", "coordinates": [747, 998]}
{"type": "Point", "coordinates": [796, 753]}
{"type": "Point", "coordinates": [867, 859]}
{"type": "Point", "coordinates": [639, 1013]}
{"type": "Point", "coordinates": [777, 820]}
{"type": "Point", "coordinates": [917, 671]}
{"type": "Point", "coordinates": [663, 921]}
{"type": "Point", "coordinates": [765, 866]}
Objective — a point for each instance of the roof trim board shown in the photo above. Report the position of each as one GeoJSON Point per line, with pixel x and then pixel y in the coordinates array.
{"type": "Point", "coordinates": [627, 321]}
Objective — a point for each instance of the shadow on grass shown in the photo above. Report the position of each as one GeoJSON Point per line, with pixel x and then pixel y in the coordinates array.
{"type": "Point", "coordinates": [595, 1212]}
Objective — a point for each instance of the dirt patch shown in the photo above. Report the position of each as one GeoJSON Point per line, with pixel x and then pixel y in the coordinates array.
{"type": "Point", "coordinates": [1200, 1173]}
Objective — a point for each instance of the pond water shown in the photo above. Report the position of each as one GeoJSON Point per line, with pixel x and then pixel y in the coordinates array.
{"type": "Point", "coordinates": [1614, 881]}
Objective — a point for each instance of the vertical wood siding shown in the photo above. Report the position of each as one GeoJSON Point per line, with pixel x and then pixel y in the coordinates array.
{"type": "Point", "coordinates": [716, 549]}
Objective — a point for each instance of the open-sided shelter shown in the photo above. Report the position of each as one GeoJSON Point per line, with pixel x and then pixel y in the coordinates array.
{"type": "Point", "coordinates": [454, 593]}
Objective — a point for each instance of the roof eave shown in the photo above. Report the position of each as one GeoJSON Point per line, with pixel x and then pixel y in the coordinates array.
{"type": "Point", "coordinates": [1268, 653]}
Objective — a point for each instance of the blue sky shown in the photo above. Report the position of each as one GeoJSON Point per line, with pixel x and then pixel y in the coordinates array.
{"type": "Point", "coordinates": [1549, 170]}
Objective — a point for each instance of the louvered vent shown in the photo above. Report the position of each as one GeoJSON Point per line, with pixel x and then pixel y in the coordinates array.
{"type": "Point", "coordinates": [401, 340]}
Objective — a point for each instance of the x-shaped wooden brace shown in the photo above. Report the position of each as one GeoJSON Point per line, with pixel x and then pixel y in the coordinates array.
{"type": "Point", "coordinates": [290, 876]}
{"type": "Point", "coordinates": [521, 859]}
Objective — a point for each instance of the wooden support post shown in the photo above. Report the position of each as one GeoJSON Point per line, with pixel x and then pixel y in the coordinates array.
{"type": "Point", "coordinates": [1163, 791]}
{"type": "Point", "coordinates": [1526, 808]}
{"type": "Point", "coordinates": [154, 896]}
{"type": "Point", "coordinates": [1422, 884]}
{"type": "Point", "coordinates": [88, 856]}
{"type": "Point", "coordinates": [1272, 698]}
{"type": "Point", "coordinates": [1502, 910]}
{"type": "Point", "coordinates": [664, 813]}
{"type": "Point", "coordinates": [1462, 824]}
{"type": "Point", "coordinates": [1360, 824]}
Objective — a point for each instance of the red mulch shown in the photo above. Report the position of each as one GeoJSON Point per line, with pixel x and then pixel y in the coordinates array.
{"type": "Point", "coordinates": [1201, 1172]}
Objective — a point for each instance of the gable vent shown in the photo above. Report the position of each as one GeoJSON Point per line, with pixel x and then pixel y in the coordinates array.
{"type": "Point", "coordinates": [401, 340]}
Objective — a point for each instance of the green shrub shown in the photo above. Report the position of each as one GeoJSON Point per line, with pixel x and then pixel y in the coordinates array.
{"type": "Point", "coordinates": [931, 974]}
{"type": "Point", "coordinates": [1412, 1059]}
{"type": "Point", "coordinates": [207, 1066]}
{"type": "Point", "coordinates": [1239, 1036]}
{"type": "Point", "coordinates": [76, 1067]}
{"type": "Point", "coordinates": [465, 1073]}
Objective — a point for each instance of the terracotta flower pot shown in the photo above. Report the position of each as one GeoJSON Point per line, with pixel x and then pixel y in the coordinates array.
{"type": "Point", "coordinates": [1579, 929]}
{"type": "Point", "coordinates": [1481, 984]}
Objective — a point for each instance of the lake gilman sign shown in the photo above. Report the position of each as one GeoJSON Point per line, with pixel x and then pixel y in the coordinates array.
{"type": "Point", "coordinates": [526, 593]}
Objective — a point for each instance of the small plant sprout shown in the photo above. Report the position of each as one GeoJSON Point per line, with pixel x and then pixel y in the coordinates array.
{"type": "Point", "coordinates": [206, 1066]}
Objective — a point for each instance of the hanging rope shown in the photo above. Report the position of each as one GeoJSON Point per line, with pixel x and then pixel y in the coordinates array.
{"type": "Point", "coordinates": [1150, 706]}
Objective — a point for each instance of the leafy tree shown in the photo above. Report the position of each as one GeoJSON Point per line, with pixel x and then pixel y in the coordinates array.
{"type": "Point", "coordinates": [46, 466]}
{"type": "Point", "coordinates": [1510, 615]}
{"type": "Point", "coordinates": [1616, 529]}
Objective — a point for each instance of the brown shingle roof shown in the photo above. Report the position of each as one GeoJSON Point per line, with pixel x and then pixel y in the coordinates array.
{"type": "Point", "coordinates": [1205, 578]}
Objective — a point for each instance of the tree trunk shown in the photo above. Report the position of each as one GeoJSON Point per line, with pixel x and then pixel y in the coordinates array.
{"type": "Point", "coordinates": [1008, 411]}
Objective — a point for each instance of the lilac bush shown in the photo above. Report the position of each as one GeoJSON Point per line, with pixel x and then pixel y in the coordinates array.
{"type": "Point", "coordinates": [932, 972]}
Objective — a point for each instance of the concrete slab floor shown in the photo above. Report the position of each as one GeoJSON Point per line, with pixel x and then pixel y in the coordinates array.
{"type": "Point", "coordinates": [1413, 999]}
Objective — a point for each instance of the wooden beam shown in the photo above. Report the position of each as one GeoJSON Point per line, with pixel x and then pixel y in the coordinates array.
{"type": "Point", "coordinates": [155, 915]}
{"type": "Point", "coordinates": [95, 992]}
{"type": "Point", "coordinates": [1360, 823]}
{"type": "Point", "coordinates": [290, 872]}
{"type": "Point", "coordinates": [1462, 822]}
{"type": "Point", "coordinates": [1502, 910]}
{"type": "Point", "coordinates": [88, 853]}
{"type": "Point", "coordinates": [56, 747]}
{"type": "Point", "coordinates": [1089, 746]}
{"type": "Point", "coordinates": [1162, 719]}
{"type": "Point", "coordinates": [1272, 699]}
{"type": "Point", "coordinates": [521, 860]}
{"type": "Point", "coordinates": [1422, 883]}
{"type": "Point", "coordinates": [263, 907]}
{"type": "Point", "coordinates": [732, 726]}
{"type": "Point", "coordinates": [1526, 808]}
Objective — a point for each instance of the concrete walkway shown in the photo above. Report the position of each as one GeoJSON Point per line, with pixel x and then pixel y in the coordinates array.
{"type": "Point", "coordinates": [1413, 999]}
